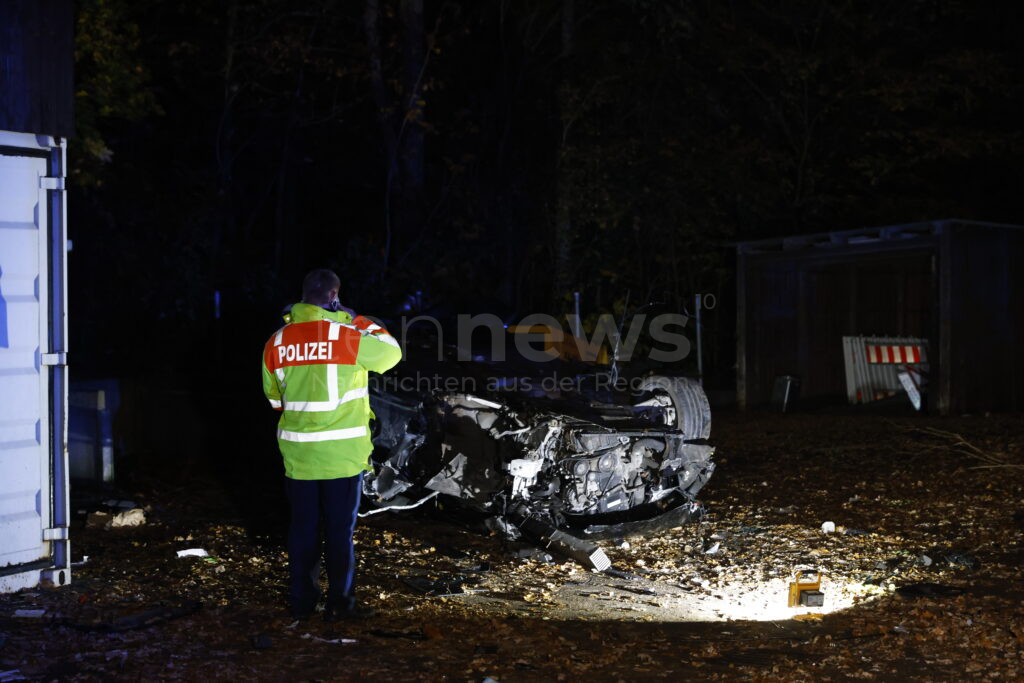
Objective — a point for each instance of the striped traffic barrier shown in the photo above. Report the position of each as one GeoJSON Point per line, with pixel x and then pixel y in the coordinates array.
{"type": "Point", "coordinates": [874, 365]}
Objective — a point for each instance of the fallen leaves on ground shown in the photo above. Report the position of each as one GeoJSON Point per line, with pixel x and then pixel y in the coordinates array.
{"type": "Point", "coordinates": [906, 511]}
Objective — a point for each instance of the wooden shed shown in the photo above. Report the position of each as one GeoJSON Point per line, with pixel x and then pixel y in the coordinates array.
{"type": "Point", "coordinates": [959, 284]}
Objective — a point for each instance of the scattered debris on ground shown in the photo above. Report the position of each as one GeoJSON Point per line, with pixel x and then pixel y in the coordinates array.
{"type": "Point", "coordinates": [920, 578]}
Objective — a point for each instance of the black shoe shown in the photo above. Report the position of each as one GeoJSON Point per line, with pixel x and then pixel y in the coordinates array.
{"type": "Point", "coordinates": [332, 614]}
{"type": "Point", "coordinates": [301, 614]}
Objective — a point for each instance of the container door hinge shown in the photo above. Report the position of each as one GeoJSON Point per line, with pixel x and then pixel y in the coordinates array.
{"type": "Point", "coordinates": [49, 183]}
{"type": "Point", "coordinates": [59, 358]}
{"type": "Point", "coordinates": [57, 533]}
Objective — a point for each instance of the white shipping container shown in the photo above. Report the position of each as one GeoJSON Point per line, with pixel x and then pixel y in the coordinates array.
{"type": "Point", "coordinates": [34, 512]}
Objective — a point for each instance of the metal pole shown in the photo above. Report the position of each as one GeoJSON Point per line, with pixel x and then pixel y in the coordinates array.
{"type": "Point", "coordinates": [577, 332]}
{"type": "Point", "coordinates": [700, 357]}
{"type": "Point", "coordinates": [618, 341]}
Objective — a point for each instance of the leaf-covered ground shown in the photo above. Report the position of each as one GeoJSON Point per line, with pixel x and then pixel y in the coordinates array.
{"type": "Point", "coordinates": [938, 502]}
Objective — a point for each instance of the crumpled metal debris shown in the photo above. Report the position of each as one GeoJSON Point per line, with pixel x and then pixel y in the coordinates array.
{"type": "Point", "coordinates": [580, 466]}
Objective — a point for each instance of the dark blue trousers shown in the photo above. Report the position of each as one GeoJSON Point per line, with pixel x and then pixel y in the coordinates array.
{"type": "Point", "coordinates": [335, 502]}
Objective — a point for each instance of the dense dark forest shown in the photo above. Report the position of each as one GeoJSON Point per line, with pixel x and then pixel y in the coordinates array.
{"type": "Point", "coordinates": [500, 155]}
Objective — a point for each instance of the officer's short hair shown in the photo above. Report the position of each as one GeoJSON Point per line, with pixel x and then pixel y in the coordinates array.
{"type": "Point", "coordinates": [317, 285]}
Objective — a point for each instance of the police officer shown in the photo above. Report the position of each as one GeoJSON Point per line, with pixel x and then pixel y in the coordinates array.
{"type": "Point", "coordinates": [315, 372]}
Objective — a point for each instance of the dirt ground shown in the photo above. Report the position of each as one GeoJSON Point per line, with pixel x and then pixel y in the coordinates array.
{"type": "Point", "coordinates": [922, 578]}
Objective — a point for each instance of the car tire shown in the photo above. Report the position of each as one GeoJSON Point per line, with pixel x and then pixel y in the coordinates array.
{"type": "Point", "coordinates": [693, 414]}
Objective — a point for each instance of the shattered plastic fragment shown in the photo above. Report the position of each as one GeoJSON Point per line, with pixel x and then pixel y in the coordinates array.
{"type": "Point", "coordinates": [335, 641]}
{"type": "Point", "coordinates": [586, 553]}
{"type": "Point", "coordinates": [533, 554]}
{"type": "Point", "coordinates": [193, 552]}
{"type": "Point", "coordinates": [133, 517]}
{"type": "Point", "coordinates": [619, 574]}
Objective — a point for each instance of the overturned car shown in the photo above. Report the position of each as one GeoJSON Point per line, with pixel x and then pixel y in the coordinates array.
{"type": "Point", "coordinates": [578, 466]}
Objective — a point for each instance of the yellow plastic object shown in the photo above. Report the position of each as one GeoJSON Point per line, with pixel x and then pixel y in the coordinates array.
{"type": "Point", "coordinates": [813, 616]}
{"type": "Point", "coordinates": [803, 580]}
{"type": "Point", "coordinates": [560, 344]}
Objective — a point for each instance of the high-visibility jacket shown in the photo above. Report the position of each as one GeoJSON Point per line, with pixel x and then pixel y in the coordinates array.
{"type": "Point", "coordinates": [315, 373]}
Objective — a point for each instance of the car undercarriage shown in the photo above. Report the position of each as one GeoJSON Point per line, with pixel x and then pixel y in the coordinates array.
{"type": "Point", "coordinates": [561, 470]}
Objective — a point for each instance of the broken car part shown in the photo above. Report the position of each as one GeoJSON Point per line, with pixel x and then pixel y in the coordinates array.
{"type": "Point", "coordinates": [559, 470]}
{"type": "Point", "coordinates": [588, 554]}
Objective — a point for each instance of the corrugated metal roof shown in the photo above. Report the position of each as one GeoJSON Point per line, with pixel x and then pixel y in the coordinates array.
{"type": "Point", "coordinates": [862, 236]}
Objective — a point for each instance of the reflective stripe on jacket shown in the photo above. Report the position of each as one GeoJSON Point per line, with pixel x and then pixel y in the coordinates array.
{"type": "Point", "coordinates": [315, 373]}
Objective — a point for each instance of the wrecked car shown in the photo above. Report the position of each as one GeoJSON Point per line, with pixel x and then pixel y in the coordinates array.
{"type": "Point", "coordinates": [583, 464]}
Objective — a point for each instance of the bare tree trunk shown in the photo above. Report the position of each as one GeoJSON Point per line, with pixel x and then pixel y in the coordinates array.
{"type": "Point", "coordinates": [283, 210]}
{"type": "Point", "coordinates": [563, 214]}
{"type": "Point", "coordinates": [385, 115]}
{"type": "Point", "coordinates": [568, 28]}
{"type": "Point", "coordinates": [284, 215]}
{"type": "Point", "coordinates": [412, 141]}
{"type": "Point", "coordinates": [401, 122]}
{"type": "Point", "coordinates": [223, 141]}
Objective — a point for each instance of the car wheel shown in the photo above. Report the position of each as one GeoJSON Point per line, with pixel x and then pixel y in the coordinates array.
{"type": "Point", "coordinates": [688, 402]}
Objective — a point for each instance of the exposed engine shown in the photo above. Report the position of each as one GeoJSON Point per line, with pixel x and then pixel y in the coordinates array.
{"type": "Point", "coordinates": [590, 468]}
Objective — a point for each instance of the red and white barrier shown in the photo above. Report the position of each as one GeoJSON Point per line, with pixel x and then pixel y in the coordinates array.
{"type": "Point", "coordinates": [873, 365]}
{"type": "Point", "coordinates": [889, 353]}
